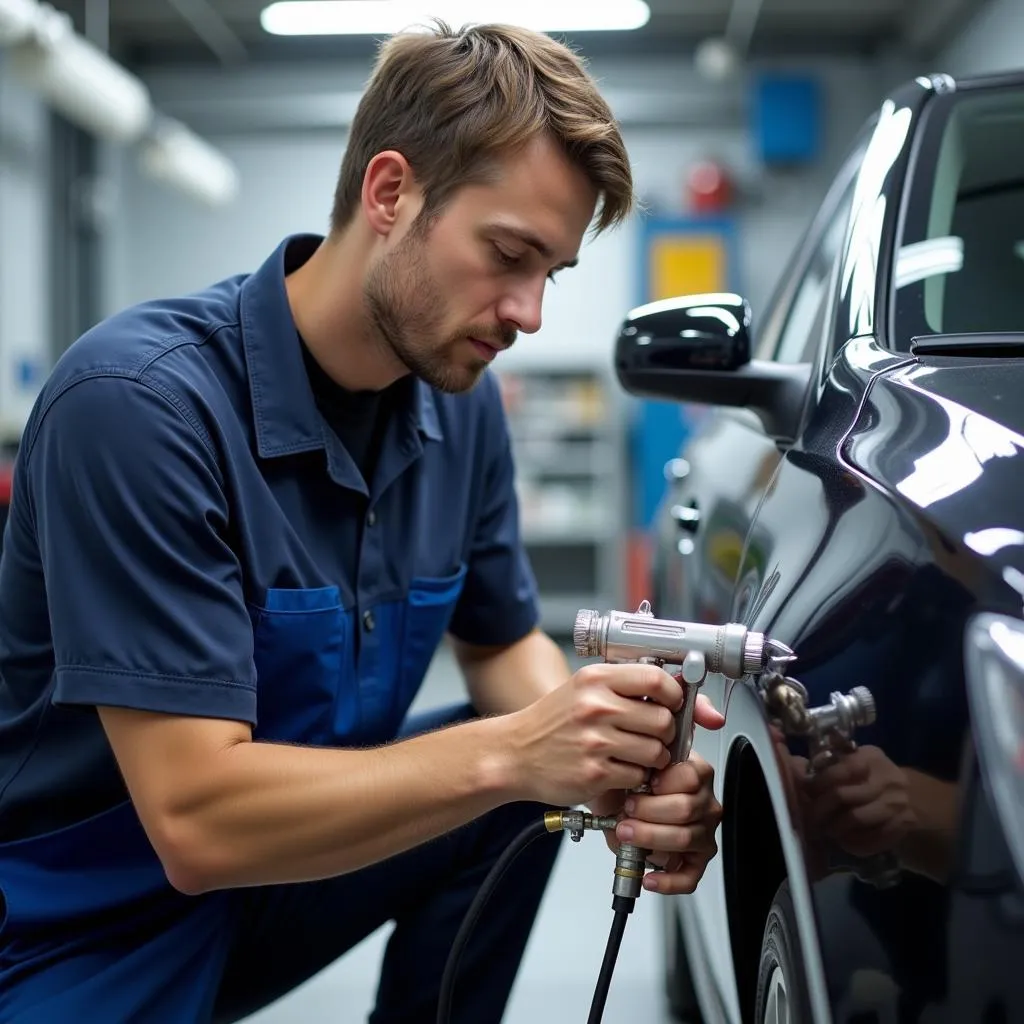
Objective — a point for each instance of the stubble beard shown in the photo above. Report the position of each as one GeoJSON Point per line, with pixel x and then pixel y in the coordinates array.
{"type": "Point", "coordinates": [405, 309]}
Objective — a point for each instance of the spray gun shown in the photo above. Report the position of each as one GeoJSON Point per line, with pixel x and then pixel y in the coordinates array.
{"type": "Point", "coordinates": [732, 650]}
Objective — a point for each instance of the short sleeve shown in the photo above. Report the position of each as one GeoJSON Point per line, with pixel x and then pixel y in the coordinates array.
{"type": "Point", "coordinates": [499, 602]}
{"type": "Point", "coordinates": [132, 524]}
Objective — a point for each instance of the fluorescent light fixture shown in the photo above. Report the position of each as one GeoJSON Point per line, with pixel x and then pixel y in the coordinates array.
{"type": "Point", "coordinates": [385, 17]}
{"type": "Point", "coordinates": [176, 156]}
{"type": "Point", "coordinates": [81, 81]}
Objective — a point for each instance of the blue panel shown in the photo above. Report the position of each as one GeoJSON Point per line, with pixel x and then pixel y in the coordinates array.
{"type": "Point", "coordinates": [786, 114]}
{"type": "Point", "coordinates": [660, 427]}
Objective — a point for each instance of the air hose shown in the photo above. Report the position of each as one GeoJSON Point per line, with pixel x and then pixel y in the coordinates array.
{"type": "Point", "coordinates": [622, 907]}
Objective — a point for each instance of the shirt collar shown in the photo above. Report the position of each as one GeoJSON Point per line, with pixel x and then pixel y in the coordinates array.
{"type": "Point", "coordinates": [284, 411]}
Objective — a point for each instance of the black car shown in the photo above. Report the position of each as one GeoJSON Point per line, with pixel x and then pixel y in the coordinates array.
{"type": "Point", "coordinates": [854, 488]}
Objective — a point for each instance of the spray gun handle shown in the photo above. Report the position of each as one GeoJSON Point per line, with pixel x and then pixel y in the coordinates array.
{"type": "Point", "coordinates": [631, 861]}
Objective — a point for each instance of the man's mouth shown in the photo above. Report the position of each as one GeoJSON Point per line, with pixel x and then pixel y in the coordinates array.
{"type": "Point", "coordinates": [486, 350]}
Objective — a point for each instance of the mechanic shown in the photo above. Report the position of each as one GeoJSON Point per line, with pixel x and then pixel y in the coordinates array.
{"type": "Point", "coordinates": [242, 522]}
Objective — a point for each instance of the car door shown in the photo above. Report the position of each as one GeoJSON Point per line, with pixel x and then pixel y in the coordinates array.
{"type": "Point", "coordinates": [730, 465]}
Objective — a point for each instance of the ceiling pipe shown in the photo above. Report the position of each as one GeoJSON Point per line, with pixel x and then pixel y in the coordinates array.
{"type": "Point", "coordinates": [719, 58]}
{"type": "Point", "coordinates": [212, 30]}
{"type": "Point", "coordinates": [739, 29]}
{"type": "Point", "coordinates": [97, 23]}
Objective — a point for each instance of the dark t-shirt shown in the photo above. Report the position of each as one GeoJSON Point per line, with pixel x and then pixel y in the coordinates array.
{"type": "Point", "coordinates": [359, 419]}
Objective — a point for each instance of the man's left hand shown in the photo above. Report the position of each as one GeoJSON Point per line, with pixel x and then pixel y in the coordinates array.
{"type": "Point", "coordinates": [677, 821]}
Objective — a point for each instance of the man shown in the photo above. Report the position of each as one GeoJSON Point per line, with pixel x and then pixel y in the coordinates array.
{"type": "Point", "coordinates": [243, 520]}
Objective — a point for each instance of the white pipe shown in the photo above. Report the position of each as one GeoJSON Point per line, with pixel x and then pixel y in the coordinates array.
{"type": "Point", "coordinates": [18, 18]}
{"type": "Point", "coordinates": [80, 80]}
{"type": "Point", "coordinates": [175, 156]}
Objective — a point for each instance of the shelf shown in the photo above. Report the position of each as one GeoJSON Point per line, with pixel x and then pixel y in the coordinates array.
{"type": "Point", "coordinates": [568, 436]}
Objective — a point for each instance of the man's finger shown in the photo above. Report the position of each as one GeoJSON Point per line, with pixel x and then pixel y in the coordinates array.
{"type": "Point", "coordinates": [705, 714]}
{"type": "Point", "coordinates": [689, 776]}
{"type": "Point", "coordinates": [846, 771]}
{"type": "Point", "coordinates": [670, 809]}
{"type": "Point", "coordinates": [667, 838]}
{"type": "Point", "coordinates": [681, 881]}
{"type": "Point", "coordinates": [836, 802]}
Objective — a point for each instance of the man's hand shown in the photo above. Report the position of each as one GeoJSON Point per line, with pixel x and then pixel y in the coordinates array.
{"type": "Point", "coordinates": [677, 821]}
{"type": "Point", "coordinates": [594, 733]}
{"type": "Point", "coordinates": [862, 802]}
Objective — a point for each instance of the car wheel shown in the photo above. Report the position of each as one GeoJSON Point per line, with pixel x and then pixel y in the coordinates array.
{"type": "Point", "coordinates": [679, 990]}
{"type": "Point", "coordinates": [781, 982]}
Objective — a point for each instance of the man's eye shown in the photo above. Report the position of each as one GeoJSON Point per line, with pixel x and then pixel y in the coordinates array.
{"type": "Point", "coordinates": [504, 258]}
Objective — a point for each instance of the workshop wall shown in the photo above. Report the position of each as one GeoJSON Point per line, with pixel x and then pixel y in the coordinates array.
{"type": "Point", "coordinates": [24, 252]}
{"type": "Point", "coordinates": [162, 243]}
{"type": "Point", "coordinates": [992, 41]}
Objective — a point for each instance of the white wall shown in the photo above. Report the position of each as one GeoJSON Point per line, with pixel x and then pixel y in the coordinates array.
{"type": "Point", "coordinates": [992, 41]}
{"type": "Point", "coordinates": [164, 244]}
{"type": "Point", "coordinates": [24, 251]}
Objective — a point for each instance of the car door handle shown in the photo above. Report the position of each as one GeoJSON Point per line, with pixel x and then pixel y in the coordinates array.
{"type": "Point", "coordinates": [687, 517]}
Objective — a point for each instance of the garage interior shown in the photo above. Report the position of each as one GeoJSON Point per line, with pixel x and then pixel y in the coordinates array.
{"type": "Point", "coordinates": [736, 113]}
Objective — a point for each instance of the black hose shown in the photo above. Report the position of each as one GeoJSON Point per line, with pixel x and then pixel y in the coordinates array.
{"type": "Point", "coordinates": [532, 831]}
{"type": "Point", "coordinates": [622, 907]}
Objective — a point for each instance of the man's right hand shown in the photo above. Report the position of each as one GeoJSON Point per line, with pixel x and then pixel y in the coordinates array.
{"type": "Point", "coordinates": [594, 734]}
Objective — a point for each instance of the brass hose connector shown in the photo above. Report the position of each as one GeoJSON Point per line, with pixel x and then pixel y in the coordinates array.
{"type": "Point", "coordinates": [577, 822]}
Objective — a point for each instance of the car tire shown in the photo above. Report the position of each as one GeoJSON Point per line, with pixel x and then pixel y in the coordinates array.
{"type": "Point", "coordinates": [781, 982]}
{"type": "Point", "coordinates": [679, 990]}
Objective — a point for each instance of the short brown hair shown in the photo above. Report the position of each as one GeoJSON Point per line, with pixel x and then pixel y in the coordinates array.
{"type": "Point", "coordinates": [454, 103]}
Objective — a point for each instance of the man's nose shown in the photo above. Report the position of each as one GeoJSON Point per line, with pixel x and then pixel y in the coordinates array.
{"type": "Point", "coordinates": [521, 307]}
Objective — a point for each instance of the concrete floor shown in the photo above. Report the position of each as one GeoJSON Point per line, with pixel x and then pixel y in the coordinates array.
{"type": "Point", "coordinates": [556, 981]}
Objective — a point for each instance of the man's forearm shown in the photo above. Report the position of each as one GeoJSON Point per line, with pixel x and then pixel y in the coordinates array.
{"type": "Point", "coordinates": [504, 679]}
{"type": "Point", "coordinates": [275, 814]}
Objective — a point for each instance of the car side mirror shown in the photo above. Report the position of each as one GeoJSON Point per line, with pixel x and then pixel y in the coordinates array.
{"type": "Point", "coordinates": [696, 348]}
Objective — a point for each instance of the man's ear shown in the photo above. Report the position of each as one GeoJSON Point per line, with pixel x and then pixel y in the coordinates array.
{"type": "Point", "coordinates": [390, 192]}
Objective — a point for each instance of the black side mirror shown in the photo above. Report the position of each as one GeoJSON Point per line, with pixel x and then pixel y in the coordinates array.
{"type": "Point", "coordinates": [696, 348]}
{"type": "Point", "coordinates": [691, 332]}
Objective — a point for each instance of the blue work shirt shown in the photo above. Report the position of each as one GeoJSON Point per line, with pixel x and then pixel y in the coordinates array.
{"type": "Point", "coordinates": [180, 526]}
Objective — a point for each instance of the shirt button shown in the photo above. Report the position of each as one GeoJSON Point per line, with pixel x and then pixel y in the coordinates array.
{"type": "Point", "coordinates": [368, 621]}
{"type": "Point", "coordinates": [371, 518]}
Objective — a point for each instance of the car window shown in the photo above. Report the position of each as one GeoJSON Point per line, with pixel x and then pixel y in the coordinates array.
{"type": "Point", "coordinates": [801, 331]}
{"type": "Point", "coordinates": [960, 263]}
{"type": "Point", "coordinates": [795, 318]}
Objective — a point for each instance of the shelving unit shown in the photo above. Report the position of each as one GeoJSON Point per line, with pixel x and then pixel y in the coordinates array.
{"type": "Point", "coordinates": [568, 439]}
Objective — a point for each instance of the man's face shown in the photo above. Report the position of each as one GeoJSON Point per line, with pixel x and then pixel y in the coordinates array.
{"type": "Point", "coordinates": [448, 296]}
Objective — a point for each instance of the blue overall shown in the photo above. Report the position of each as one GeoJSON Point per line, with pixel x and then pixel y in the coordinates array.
{"type": "Point", "coordinates": [177, 543]}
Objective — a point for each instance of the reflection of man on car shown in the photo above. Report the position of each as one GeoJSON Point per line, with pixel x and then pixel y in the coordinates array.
{"type": "Point", "coordinates": [865, 804]}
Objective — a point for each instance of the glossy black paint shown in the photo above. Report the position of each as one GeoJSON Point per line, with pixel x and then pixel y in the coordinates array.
{"type": "Point", "coordinates": [693, 332]}
{"type": "Point", "coordinates": [862, 546]}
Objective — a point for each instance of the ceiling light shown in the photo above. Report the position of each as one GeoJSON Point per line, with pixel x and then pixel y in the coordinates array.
{"type": "Point", "coordinates": [385, 17]}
